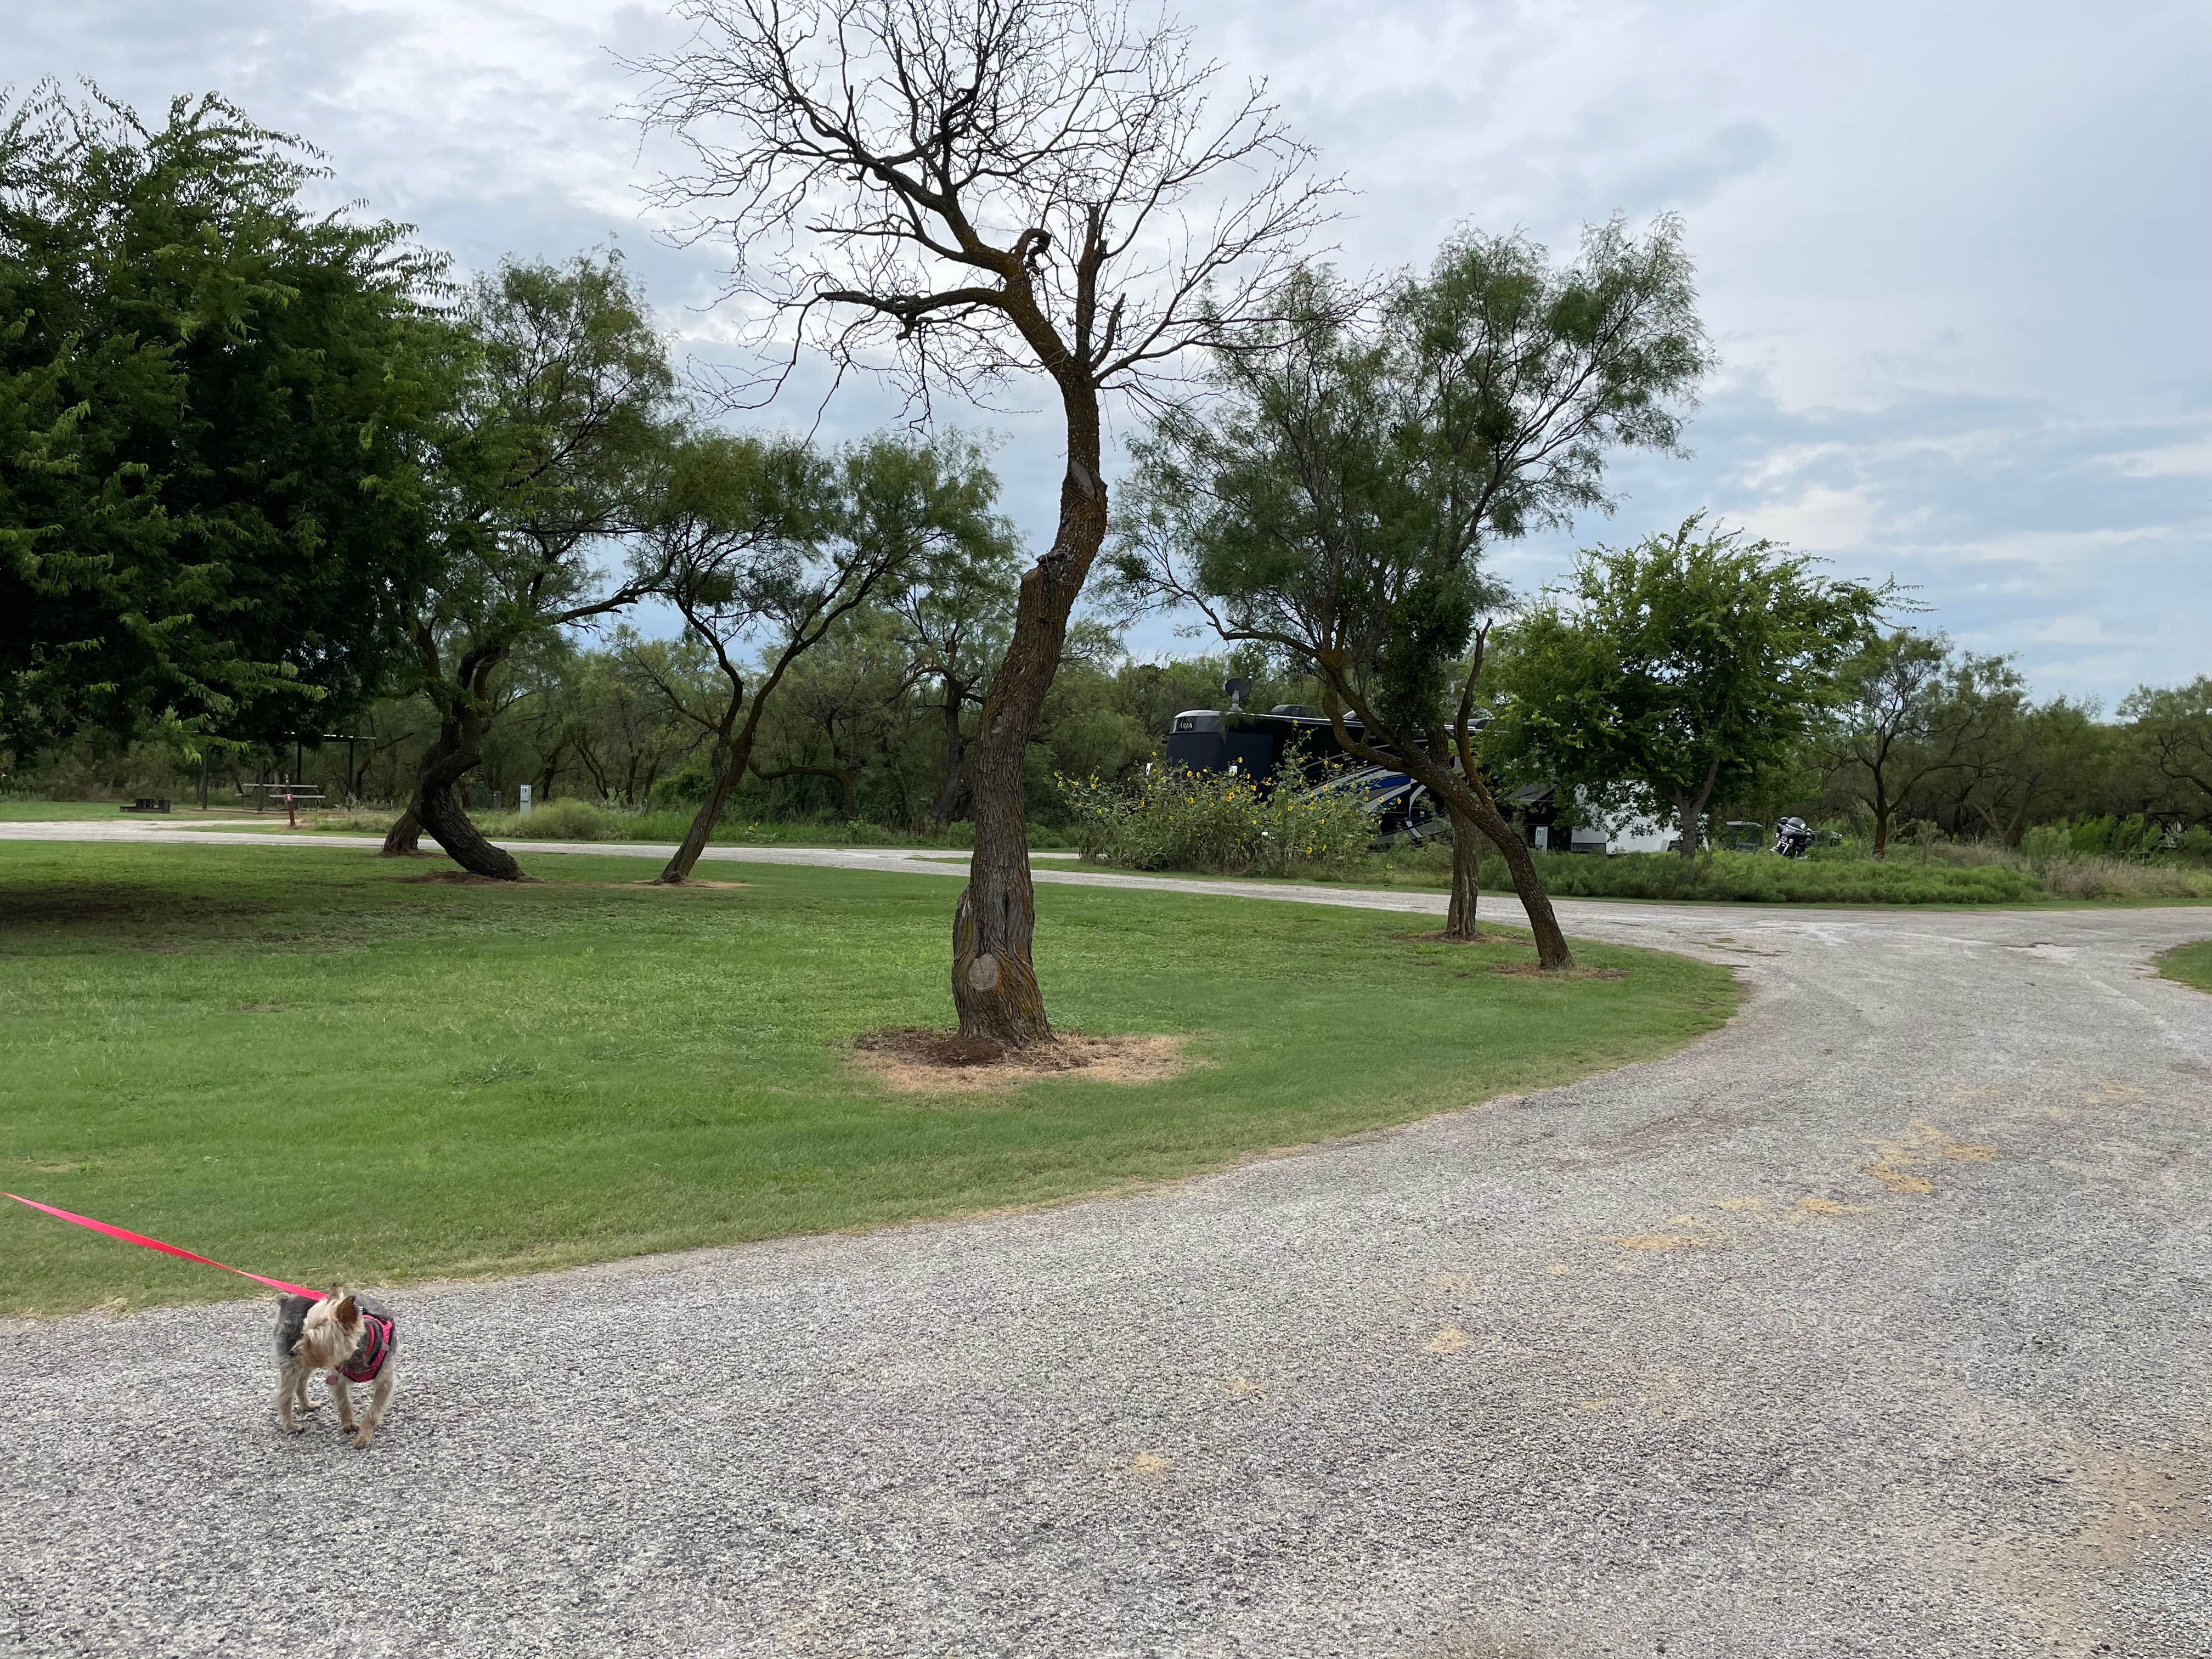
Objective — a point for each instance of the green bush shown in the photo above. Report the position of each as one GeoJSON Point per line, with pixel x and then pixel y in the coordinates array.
{"type": "Point", "coordinates": [1173, 819]}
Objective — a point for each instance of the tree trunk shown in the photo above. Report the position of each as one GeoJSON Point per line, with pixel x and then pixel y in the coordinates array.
{"type": "Point", "coordinates": [722, 777]}
{"type": "Point", "coordinates": [437, 802]}
{"type": "Point", "coordinates": [1691, 813]}
{"type": "Point", "coordinates": [1552, 950]}
{"type": "Point", "coordinates": [995, 984]}
{"type": "Point", "coordinates": [945, 807]}
{"type": "Point", "coordinates": [1459, 923]}
{"type": "Point", "coordinates": [404, 838]}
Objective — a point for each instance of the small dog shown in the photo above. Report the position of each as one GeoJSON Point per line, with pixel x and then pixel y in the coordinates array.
{"type": "Point", "coordinates": [349, 1336]}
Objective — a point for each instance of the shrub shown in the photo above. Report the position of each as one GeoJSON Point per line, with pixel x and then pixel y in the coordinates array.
{"type": "Point", "coordinates": [1173, 819]}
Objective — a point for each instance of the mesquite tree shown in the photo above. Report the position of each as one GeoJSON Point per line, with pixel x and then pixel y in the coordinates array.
{"type": "Point", "coordinates": [1334, 503]}
{"type": "Point", "coordinates": [1685, 670]}
{"type": "Point", "coordinates": [559, 451]}
{"type": "Point", "coordinates": [771, 545]}
{"type": "Point", "coordinates": [963, 191]}
{"type": "Point", "coordinates": [213, 401]}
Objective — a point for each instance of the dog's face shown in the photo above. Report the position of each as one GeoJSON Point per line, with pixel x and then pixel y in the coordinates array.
{"type": "Point", "coordinates": [331, 1332]}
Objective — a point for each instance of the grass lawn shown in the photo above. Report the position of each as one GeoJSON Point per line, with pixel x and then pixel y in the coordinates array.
{"type": "Point", "coordinates": [2191, 964]}
{"type": "Point", "coordinates": [301, 1062]}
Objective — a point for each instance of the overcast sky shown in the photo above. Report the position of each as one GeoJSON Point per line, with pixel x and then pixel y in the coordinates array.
{"type": "Point", "coordinates": [1955, 258]}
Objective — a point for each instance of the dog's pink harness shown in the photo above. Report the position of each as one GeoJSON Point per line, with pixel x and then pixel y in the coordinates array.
{"type": "Point", "coordinates": [375, 1348]}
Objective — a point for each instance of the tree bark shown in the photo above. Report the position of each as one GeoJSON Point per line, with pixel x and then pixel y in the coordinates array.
{"type": "Point", "coordinates": [725, 768]}
{"type": "Point", "coordinates": [995, 984]}
{"type": "Point", "coordinates": [437, 804]}
{"type": "Point", "coordinates": [943, 809]}
{"type": "Point", "coordinates": [404, 838]}
{"type": "Point", "coordinates": [1690, 812]}
{"type": "Point", "coordinates": [1460, 921]}
{"type": "Point", "coordinates": [1552, 952]}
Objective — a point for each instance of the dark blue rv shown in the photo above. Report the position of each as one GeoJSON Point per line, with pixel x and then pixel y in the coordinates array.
{"type": "Point", "coordinates": [1255, 745]}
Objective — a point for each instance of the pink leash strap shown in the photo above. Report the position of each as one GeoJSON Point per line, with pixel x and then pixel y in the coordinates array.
{"type": "Point", "coordinates": [156, 1244]}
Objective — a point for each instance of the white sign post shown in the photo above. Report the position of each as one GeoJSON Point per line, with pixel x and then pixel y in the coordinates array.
{"type": "Point", "coordinates": [522, 801]}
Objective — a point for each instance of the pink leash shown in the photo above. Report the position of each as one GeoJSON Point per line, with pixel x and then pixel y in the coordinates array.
{"type": "Point", "coordinates": [156, 1244]}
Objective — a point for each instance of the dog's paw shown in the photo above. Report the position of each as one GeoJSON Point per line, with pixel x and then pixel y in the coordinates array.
{"type": "Point", "coordinates": [289, 1428]}
{"type": "Point", "coordinates": [361, 1439]}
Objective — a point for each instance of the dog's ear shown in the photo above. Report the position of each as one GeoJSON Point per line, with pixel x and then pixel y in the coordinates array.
{"type": "Point", "coordinates": [348, 1313]}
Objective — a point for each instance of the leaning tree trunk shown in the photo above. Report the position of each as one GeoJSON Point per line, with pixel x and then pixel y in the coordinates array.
{"type": "Point", "coordinates": [1552, 950]}
{"type": "Point", "coordinates": [721, 779]}
{"type": "Point", "coordinates": [438, 804]}
{"type": "Point", "coordinates": [404, 838]}
{"type": "Point", "coordinates": [1460, 921]}
{"type": "Point", "coordinates": [994, 983]}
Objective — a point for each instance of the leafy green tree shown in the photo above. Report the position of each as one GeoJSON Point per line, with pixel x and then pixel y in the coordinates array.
{"type": "Point", "coordinates": [216, 407]}
{"type": "Point", "coordinates": [559, 451]}
{"type": "Point", "coordinates": [1334, 501]}
{"type": "Point", "coordinates": [1911, 717]}
{"type": "Point", "coordinates": [1691, 664]}
{"type": "Point", "coordinates": [2173, 727]}
{"type": "Point", "coordinates": [770, 544]}
{"type": "Point", "coordinates": [2026, 760]}
{"type": "Point", "coordinates": [843, 709]}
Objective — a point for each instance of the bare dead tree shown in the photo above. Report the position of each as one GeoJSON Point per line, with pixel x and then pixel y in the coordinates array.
{"type": "Point", "coordinates": [961, 193]}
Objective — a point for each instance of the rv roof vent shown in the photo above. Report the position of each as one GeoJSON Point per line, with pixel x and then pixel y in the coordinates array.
{"type": "Point", "coordinates": [1298, 709]}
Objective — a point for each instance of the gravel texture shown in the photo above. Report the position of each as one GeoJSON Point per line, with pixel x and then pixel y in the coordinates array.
{"type": "Point", "coordinates": [1875, 1324]}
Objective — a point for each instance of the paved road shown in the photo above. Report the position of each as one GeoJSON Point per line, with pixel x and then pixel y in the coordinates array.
{"type": "Point", "coordinates": [1876, 1324]}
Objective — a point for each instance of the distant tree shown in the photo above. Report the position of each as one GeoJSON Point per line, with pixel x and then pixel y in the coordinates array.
{"type": "Point", "coordinates": [216, 405]}
{"type": "Point", "coordinates": [971, 190]}
{"type": "Point", "coordinates": [770, 545]}
{"type": "Point", "coordinates": [956, 615]}
{"type": "Point", "coordinates": [557, 455]}
{"type": "Point", "coordinates": [2024, 761]}
{"type": "Point", "coordinates": [1909, 715]}
{"type": "Point", "coordinates": [2174, 727]}
{"type": "Point", "coordinates": [1691, 664]}
{"type": "Point", "coordinates": [840, 709]}
{"type": "Point", "coordinates": [1334, 502]}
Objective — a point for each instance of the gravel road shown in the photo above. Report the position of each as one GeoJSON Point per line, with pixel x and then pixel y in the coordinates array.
{"type": "Point", "coordinates": [1875, 1324]}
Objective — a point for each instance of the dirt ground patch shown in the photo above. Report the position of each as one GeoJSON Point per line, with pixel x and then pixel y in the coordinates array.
{"type": "Point", "coordinates": [1532, 970]}
{"type": "Point", "coordinates": [917, 1059]}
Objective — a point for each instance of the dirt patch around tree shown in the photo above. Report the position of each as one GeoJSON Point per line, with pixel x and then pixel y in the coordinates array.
{"type": "Point", "coordinates": [918, 1059]}
{"type": "Point", "coordinates": [1536, 970]}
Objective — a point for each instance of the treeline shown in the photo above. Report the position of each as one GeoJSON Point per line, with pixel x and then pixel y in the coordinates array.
{"type": "Point", "coordinates": [1924, 736]}
{"type": "Point", "coordinates": [1930, 736]}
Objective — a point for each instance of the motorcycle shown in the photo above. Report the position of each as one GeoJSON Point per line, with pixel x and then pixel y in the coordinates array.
{"type": "Point", "coordinates": [1793, 838]}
